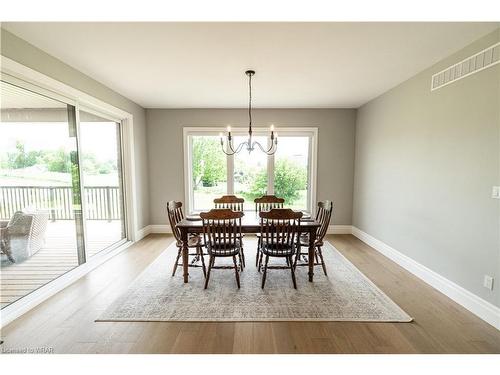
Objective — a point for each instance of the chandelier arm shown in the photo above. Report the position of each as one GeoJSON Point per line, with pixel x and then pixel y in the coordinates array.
{"type": "Point", "coordinates": [268, 151]}
{"type": "Point", "coordinates": [230, 144]}
{"type": "Point", "coordinates": [225, 152]}
{"type": "Point", "coordinates": [240, 146]}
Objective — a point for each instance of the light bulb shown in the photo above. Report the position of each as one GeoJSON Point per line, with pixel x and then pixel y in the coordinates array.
{"type": "Point", "coordinates": [272, 127]}
{"type": "Point", "coordinates": [229, 129]}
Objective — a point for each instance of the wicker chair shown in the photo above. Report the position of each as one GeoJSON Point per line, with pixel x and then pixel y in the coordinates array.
{"type": "Point", "coordinates": [222, 236]}
{"type": "Point", "coordinates": [323, 216]}
{"type": "Point", "coordinates": [175, 215]}
{"type": "Point", "coordinates": [233, 203]}
{"type": "Point", "coordinates": [23, 235]}
{"type": "Point", "coordinates": [279, 229]}
{"type": "Point", "coordinates": [265, 203]}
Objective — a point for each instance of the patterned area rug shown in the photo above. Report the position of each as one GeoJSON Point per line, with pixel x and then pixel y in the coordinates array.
{"type": "Point", "coordinates": [345, 295]}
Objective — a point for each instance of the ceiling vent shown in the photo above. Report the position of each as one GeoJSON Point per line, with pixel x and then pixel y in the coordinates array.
{"type": "Point", "coordinates": [473, 64]}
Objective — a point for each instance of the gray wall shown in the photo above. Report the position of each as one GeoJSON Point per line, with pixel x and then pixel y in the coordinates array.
{"type": "Point", "coordinates": [24, 53]}
{"type": "Point", "coordinates": [424, 169]}
{"type": "Point", "coordinates": [335, 150]}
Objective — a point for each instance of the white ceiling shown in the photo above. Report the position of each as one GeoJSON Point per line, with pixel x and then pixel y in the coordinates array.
{"type": "Point", "coordinates": [188, 65]}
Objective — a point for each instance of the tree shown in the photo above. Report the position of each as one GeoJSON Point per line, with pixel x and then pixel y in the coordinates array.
{"type": "Point", "coordinates": [20, 158]}
{"type": "Point", "coordinates": [289, 179]}
{"type": "Point", "coordinates": [209, 162]}
{"type": "Point", "coordinates": [57, 161]}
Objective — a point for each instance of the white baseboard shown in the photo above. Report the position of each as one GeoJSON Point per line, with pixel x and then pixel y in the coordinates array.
{"type": "Point", "coordinates": [154, 228]}
{"type": "Point", "coordinates": [478, 306]}
{"type": "Point", "coordinates": [339, 229]}
{"type": "Point", "coordinates": [143, 232]}
{"type": "Point", "coordinates": [23, 305]}
{"type": "Point", "coordinates": [160, 228]}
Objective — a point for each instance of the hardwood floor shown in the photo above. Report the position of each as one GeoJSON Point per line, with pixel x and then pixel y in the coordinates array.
{"type": "Point", "coordinates": [58, 256]}
{"type": "Point", "coordinates": [66, 321]}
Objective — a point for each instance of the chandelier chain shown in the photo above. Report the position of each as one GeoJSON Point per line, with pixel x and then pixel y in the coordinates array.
{"type": "Point", "coordinates": [250, 101]}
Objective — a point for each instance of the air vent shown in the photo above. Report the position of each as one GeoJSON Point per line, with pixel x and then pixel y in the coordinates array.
{"type": "Point", "coordinates": [473, 64]}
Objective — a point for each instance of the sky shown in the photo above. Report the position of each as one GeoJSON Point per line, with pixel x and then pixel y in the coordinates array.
{"type": "Point", "coordinates": [96, 137]}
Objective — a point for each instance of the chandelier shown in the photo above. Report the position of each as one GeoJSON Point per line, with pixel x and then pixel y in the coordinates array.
{"type": "Point", "coordinates": [249, 145]}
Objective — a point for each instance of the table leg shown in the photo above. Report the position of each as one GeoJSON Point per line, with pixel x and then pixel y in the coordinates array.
{"type": "Point", "coordinates": [312, 241]}
{"type": "Point", "coordinates": [185, 254]}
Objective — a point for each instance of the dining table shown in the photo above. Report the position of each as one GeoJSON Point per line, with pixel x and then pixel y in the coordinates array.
{"type": "Point", "coordinates": [250, 223]}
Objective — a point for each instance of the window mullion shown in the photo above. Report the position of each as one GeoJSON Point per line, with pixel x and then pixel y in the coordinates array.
{"type": "Point", "coordinates": [230, 174]}
{"type": "Point", "coordinates": [270, 172]}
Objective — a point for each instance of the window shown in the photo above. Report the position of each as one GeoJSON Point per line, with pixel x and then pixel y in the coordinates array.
{"type": "Point", "coordinates": [250, 172]}
{"type": "Point", "coordinates": [291, 169]}
{"type": "Point", "coordinates": [208, 171]}
{"type": "Point", "coordinates": [289, 173]}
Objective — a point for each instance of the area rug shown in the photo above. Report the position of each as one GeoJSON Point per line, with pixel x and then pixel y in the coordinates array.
{"type": "Point", "coordinates": [345, 295]}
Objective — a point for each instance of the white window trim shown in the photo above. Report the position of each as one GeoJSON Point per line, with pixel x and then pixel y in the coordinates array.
{"type": "Point", "coordinates": [311, 132]}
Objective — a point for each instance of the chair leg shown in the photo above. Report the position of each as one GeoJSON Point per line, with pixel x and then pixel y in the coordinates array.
{"type": "Point", "coordinates": [297, 257]}
{"type": "Point", "coordinates": [320, 253]}
{"type": "Point", "coordinates": [259, 266]}
{"type": "Point", "coordinates": [242, 257]}
{"type": "Point", "coordinates": [200, 254]}
{"type": "Point", "coordinates": [241, 262]}
{"type": "Point", "coordinates": [265, 270]}
{"type": "Point", "coordinates": [210, 264]}
{"type": "Point", "coordinates": [258, 251]}
{"type": "Point", "coordinates": [316, 257]}
{"type": "Point", "coordinates": [236, 271]}
{"type": "Point", "coordinates": [293, 274]}
{"type": "Point", "coordinates": [176, 262]}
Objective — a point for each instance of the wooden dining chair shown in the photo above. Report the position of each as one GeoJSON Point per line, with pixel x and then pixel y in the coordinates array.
{"type": "Point", "coordinates": [233, 203]}
{"type": "Point", "coordinates": [279, 229]}
{"type": "Point", "coordinates": [175, 215]}
{"type": "Point", "coordinates": [323, 216]}
{"type": "Point", "coordinates": [266, 203]}
{"type": "Point", "coordinates": [229, 201]}
{"type": "Point", "coordinates": [222, 236]}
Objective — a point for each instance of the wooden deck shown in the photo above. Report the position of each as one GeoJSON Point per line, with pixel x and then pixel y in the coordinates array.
{"type": "Point", "coordinates": [56, 258]}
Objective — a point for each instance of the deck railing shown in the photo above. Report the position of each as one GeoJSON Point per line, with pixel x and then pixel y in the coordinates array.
{"type": "Point", "coordinates": [102, 202]}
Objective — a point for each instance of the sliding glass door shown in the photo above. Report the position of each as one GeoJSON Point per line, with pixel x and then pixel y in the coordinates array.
{"type": "Point", "coordinates": [61, 188]}
{"type": "Point", "coordinates": [41, 234]}
{"type": "Point", "coordinates": [101, 168]}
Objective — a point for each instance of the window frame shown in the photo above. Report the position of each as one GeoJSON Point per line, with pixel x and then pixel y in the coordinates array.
{"type": "Point", "coordinates": [310, 132]}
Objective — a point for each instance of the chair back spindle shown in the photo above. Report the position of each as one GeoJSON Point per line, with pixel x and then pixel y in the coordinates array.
{"type": "Point", "coordinates": [175, 215]}
{"type": "Point", "coordinates": [279, 229]}
{"type": "Point", "coordinates": [231, 202]}
{"type": "Point", "coordinates": [268, 202]}
{"type": "Point", "coordinates": [323, 216]}
{"type": "Point", "coordinates": [222, 230]}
